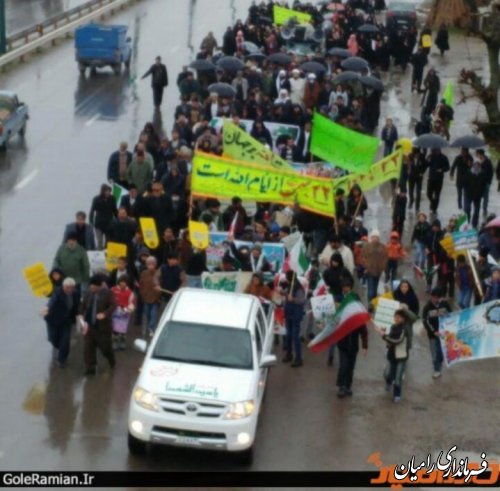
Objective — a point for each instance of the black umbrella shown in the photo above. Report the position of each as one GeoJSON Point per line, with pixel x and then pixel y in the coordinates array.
{"type": "Point", "coordinates": [355, 64]}
{"type": "Point", "coordinates": [313, 66]}
{"type": "Point", "coordinates": [346, 77]}
{"type": "Point", "coordinates": [202, 65]}
{"type": "Point", "coordinates": [340, 52]}
{"type": "Point", "coordinates": [230, 64]}
{"type": "Point", "coordinates": [258, 57]}
{"type": "Point", "coordinates": [224, 90]}
{"type": "Point", "coordinates": [430, 140]}
{"type": "Point", "coordinates": [368, 28]}
{"type": "Point", "coordinates": [372, 82]}
{"type": "Point", "coordinates": [251, 47]}
{"type": "Point", "coordinates": [469, 141]}
{"type": "Point", "coordinates": [279, 58]}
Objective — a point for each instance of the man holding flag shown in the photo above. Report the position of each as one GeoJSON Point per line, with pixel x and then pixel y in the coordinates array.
{"type": "Point", "coordinates": [348, 325]}
{"type": "Point", "coordinates": [295, 299]}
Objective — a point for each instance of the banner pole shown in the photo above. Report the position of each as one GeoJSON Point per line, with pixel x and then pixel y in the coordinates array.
{"type": "Point", "coordinates": [474, 273]}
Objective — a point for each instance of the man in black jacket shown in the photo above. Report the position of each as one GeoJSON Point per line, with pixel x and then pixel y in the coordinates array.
{"type": "Point", "coordinates": [59, 316]}
{"type": "Point", "coordinates": [135, 204]}
{"type": "Point", "coordinates": [476, 182]}
{"type": "Point", "coordinates": [84, 232]}
{"type": "Point", "coordinates": [487, 168]}
{"type": "Point", "coordinates": [438, 165]}
{"type": "Point", "coordinates": [433, 310]}
{"type": "Point", "coordinates": [118, 164]}
{"type": "Point", "coordinates": [417, 166]}
{"type": "Point", "coordinates": [159, 80]}
{"type": "Point", "coordinates": [461, 164]}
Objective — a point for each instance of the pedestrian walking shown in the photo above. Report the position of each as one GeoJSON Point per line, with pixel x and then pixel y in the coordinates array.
{"type": "Point", "coordinates": [462, 165]}
{"type": "Point", "coordinates": [474, 191]}
{"type": "Point", "coordinates": [464, 281]}
{"type": "Point", "coordinates": [442, 39]}
{"type": "Point", "coordinates": [399, 211]}
{"type": "Point", "coordinates": [102, 212]}
{"type": "Point", "coordinates": [395, 252]}
{"type": "Point", "coordinates": [418, 60]}
{"type": "Point", "coordinates": [172, 277]}
{"type": "Point", "coordinates": [95, 316]}
{"type": "Point", "coordinates": [118, 165]}
{"type": "Point", "coordinates": [417, 166]}
{"type": "Point", "coordinates": [159, 80]}
{"type": "Point", "coordinates": [71, 258]}
{"type": "Point", "coordinates": [60, 315]}
{"type": "Point", "coordinates": [397, 353]}
{"type": "Point", "coordinates": [438, 166]}
{"type": "Point", "coordinates": [375, 259]}
{"type": "Point", "coordinates": [141, 170]}
{"type": "Point", "coordinates": [435, 308]}
{"type": "Point", "coordinates": [420, 238]}
{"type": "Point", "coordinates": [487, 169]}
{"type": "Point", "coordinates": [84, 232]}
{"type": "Point", "coordinates": [493, 286]}
{"type": "Point", "coordinates": [150, 292]}
{"type": "Point", "coordinates": [295, 299]}
{"type": "Point", "coordinates": [389, 136]}
{"type": "Point", "coordinates": [125, 305]}
{"type": "Point", "coordinates": [348, 350]}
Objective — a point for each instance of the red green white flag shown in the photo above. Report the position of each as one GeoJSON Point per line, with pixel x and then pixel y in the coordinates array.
{"type": "Point", "coordinates": [351, 315]}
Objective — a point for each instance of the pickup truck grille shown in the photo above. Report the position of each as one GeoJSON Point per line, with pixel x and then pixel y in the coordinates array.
{"type": "Point", "coordinates": [189, 433]}
{"type": "Point", "coordinates": [191, 408]}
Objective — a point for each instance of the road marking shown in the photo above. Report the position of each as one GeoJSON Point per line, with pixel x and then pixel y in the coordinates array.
{"type": "Point", "coordinates": [26, 180]}
{"type": "Point", "coordinates": [93, 119]}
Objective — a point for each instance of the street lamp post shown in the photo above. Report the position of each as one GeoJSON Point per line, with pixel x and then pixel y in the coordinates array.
{"type": "Point", "coordinates": [3, 43]}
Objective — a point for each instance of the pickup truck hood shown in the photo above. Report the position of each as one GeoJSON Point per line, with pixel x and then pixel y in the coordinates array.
{"type": "Point", "coordinates": [197, 382]}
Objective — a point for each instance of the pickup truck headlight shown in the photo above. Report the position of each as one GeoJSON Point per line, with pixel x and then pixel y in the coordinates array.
{"type": "Point", "coordinates": [239, 410]}
{"type": "Point", "coordinates": [145, 399]}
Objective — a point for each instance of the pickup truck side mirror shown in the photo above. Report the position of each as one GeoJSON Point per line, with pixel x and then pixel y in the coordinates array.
{"type": "Point", "coordinates": [268, 361]}
{"type": "Point", "coordinates": [141, 345]}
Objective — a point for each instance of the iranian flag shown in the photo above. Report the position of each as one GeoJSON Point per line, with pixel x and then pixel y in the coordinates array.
{"type": "Point", "coordinates": [232, 227]}
{"type": "Point", "coordinates": [297, 259]}
{"type": "Point", "coordinates": [462, 223]}
{"type": "Point", "coordinates": [119, 192]}
{"type": "Point", "coordinates": [350, 316]}
{"type": "Point", "coordinates": [321, 289]}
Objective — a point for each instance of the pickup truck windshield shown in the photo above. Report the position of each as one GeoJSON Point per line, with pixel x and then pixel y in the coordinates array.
{"type": "Point", "coordinates": [205, 345]}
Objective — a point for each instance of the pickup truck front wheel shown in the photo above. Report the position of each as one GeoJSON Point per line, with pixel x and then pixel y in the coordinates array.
{"type": "Point", "coordinates": [82, 69]}
{"type": "Point", "coordinates": [245, 457]}
{"type": "Point", "coordinates": [117, 68]}
{"type": "Point", "coordinates": [136, 446]}
{"type": "Point", "coordinates": [22, 131]}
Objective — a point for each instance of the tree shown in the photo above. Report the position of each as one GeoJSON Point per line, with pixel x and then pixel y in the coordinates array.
{"type": "Point", "coordinates": [451, 13]}
{"type": "Point", "coordinates": [488, 92]}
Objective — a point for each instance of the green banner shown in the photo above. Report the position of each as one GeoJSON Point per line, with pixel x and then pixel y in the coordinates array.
{"type": "Point", "coordinates": [215, 177]}
{"type": "Point", "coordinates": [239, 145]}
{"type": "Point", "coordinates": [382, 171]}
{"type": "Point", "coordinates": [349, 149]}
{"type": "Point", "coordinates": [282, 14]}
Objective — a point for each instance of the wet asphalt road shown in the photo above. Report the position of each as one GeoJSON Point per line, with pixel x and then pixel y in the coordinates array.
{"type": "Point", "coordinates": [21, 14]}
{"type": "Point", "coordinates": [56, 419]}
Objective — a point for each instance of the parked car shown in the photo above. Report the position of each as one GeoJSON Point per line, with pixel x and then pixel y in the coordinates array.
{"type": "Point", "coordinates": [13, 117]}
{"type": "Point", "coordinates": [98, 46]}
{"type": "Point", "coordinates": [401, 15]}
{"type": "Point", "coordinates": [203, 378]}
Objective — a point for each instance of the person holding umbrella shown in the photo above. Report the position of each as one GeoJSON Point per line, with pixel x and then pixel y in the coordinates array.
{"type": "Point", "coordinates": [442, 41]}
{"type": "Point", "coordinates": [438, 166]}
{"type": "Point", "coordinates": [476, 182]}
{"type": "Point", "coordinates": [462, 165]}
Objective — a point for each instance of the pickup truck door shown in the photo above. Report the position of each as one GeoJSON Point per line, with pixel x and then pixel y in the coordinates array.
{"type": "Point", "coordinates": [263, 334]}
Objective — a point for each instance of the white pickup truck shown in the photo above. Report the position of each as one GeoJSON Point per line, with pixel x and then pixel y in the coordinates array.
{"type": "Point", "coordinates": [13, 117]}
{"type": "Point", "coordinates": [203, 378]}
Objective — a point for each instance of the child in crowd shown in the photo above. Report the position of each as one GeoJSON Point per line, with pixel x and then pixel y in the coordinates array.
{"type": "Point", "coordinates": [124, 298]}
{"type": "Point", "coordinates": [395, 252]}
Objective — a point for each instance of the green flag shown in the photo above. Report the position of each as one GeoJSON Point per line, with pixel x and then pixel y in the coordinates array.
{"type": "Point", "coordinates": [346, 148]}
{"type": "Point", "coordinates": [118, 192]}
{"type": "Point", "coordinates": [448, 94]}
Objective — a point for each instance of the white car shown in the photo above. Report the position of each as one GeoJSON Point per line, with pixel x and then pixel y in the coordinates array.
{"type": "Point", "coordinates": [204, 374]}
